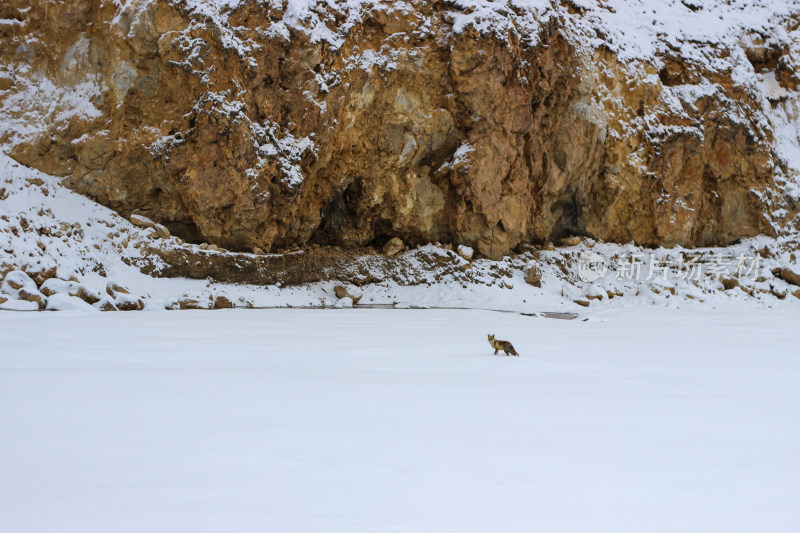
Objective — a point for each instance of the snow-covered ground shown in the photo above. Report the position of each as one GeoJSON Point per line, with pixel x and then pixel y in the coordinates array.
{"type": "Point", "coordinates": [398, 420]}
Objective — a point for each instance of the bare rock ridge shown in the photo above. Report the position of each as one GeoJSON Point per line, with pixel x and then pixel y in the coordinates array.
{"type": "Point", "coordinates": [275, 125]}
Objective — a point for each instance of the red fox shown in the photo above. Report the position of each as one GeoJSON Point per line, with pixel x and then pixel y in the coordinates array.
{"type": "Point", "coordinates": [506, 346]}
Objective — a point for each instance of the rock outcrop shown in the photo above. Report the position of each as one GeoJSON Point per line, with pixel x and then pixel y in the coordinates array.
{"type": "Point", "coordinates": [267, 125]}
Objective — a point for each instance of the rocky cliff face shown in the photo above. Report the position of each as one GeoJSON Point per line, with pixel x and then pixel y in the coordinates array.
{"type": "Point", "coordinates": [282, 124]}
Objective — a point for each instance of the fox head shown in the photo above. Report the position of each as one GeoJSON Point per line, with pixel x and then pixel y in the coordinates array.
{"type": "Point", "coordinates": [491, 338]}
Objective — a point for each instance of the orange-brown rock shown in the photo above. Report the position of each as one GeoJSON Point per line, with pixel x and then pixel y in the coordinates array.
{"type": "Point", "coordinates": [240, 128]}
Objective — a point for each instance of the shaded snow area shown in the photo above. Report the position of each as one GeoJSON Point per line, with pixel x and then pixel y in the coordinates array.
{"type": "Point", "coordinates": [398, 420]}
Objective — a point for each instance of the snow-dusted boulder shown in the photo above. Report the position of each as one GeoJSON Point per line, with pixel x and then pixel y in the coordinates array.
{"type": "Point", "coordinates": [72, 288]}
{"type": "Point", "coordinates": [127, 302]}
{"type": "Point", "coordinates": [142, 221]}
{"type": "Point", "coordinates": [19, 305]}
{"type": "Point", "coordinates": [65, 302]}
{"type": "Point", "coordinates": [20, 286]}
{"type": "Point", "coordinates": [17, 280]}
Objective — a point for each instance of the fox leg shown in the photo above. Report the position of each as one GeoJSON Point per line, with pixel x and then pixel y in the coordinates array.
{"type": "Point", "coordinates": [495, 350]}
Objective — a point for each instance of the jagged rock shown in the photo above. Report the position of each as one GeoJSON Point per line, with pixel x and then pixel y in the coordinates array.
{"type": "Point", "coordinates": [534, 276]}
{"type": "Point", "coordinates": [3, 299]}
{"type": "Point", "coordinates": [221, 302]}
{"type": "Point", "coordinates": [392, 247]}
{"type": "Point", "coordinates": [584, 303]}
{"type": "Point", "coordinates": [796, 293]}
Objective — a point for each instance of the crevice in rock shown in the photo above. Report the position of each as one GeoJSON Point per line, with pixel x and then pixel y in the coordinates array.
{"type": "Point", "coordinates": [764, 57]}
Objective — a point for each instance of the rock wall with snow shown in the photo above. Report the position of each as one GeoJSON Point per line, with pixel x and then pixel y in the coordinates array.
{"type": "Point", "coordinates": [282, 124]}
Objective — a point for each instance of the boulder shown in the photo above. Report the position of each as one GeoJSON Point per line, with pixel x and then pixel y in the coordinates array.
{"type": "Point", "coordinates": [127, 302]}
{"type": "Point", "coordinates": [730, 283]}
{"type": "Point", "coordinates": [106, 305]}
{"type": "Point", "coordinates": [161, 231]}
{"type": "Point", "coordinates": [466, 252]}
{"type": "Point", "coordinates": [35, 297]}
{"type": "Point", "coordinates": [112, 289]}
{"type": "Point", "coordinates": [778, 294]}
{"type": "Point", "coordinates": [221, 302]}
{"type": "Point", "coordinates": [65, 302]}
{"type": "Point", "coordinates": [573, 240]}
{"type": "Point", "coordinates": [20, 286]}
{"type": "Point", "coordinates": [16, 280]}
{"type": "Point", "coordinates": [188, 303]}
{"type": "Point", "coordinates": [19, 305]}
{"type": "Point", "coordinates": [141, 221]}
{"type": "Point", "coordinates": [340, 291]}
{"type": "Point", "coordinates": [790, 277]}
{"type": "Point", "coordinates": [71, 288]}
{"type": "Point", "coordinates": [534, 276]}
{"type": "Point", "coordinates": [393, 247]}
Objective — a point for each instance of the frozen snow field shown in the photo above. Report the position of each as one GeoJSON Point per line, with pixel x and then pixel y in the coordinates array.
{"type": "Point", "coordinates": [399, 421]}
